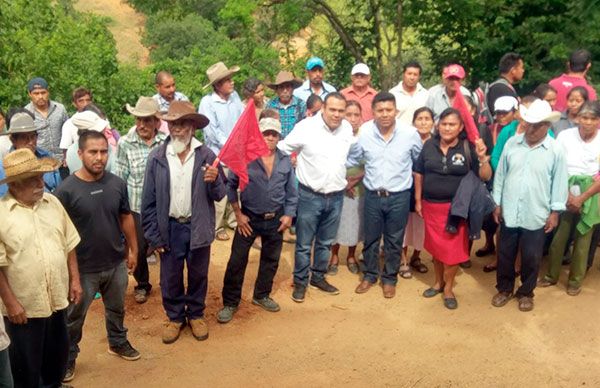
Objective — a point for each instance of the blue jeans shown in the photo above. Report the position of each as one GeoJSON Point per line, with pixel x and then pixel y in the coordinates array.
{"type": "Point", "coordinates": [6, 379]}
{"type": "Point", "coordinates": [387, 217]}
{"type": "Point", "coordinates": [317, 221]}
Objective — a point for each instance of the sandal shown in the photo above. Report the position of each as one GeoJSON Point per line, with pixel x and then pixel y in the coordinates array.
{"type": "Point", "coordinates": [418, 265]}
{"type": "Point", "coordinates": [222, 235]}
{"type": "Point", "coordinates": [405, 272]}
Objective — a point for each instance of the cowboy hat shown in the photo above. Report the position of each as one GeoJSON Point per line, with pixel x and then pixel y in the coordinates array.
{"type": "Point", "coordinates": [285, 77]}
{"type": "Point", "coordinates": [539, 111]}
{"type": "Point", "coordinates": [20, 122]}
{"type": "Point", "coordinates": [144, 107]}
{"type": "Point", "coordinates": [219, 71]}
{"type": "Point", "coordinates": [185, 110]}
{"type": "Point", "coordinates": [22, 164]}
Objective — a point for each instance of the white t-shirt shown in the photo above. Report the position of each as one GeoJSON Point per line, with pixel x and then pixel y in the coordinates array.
{"type": "Point", "coordinates": [582, 158]}
{"type": "Point", "coordinates": [69, 135]}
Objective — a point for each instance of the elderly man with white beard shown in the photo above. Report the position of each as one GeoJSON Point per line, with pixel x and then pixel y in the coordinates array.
{"type": "Point", "coordinates": [178, 217]}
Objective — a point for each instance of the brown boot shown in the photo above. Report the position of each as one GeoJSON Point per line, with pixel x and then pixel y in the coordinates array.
{"type": "Point", "coordinates": [199, 328]}
{"type": "Point", "coordinates": [171, 332]}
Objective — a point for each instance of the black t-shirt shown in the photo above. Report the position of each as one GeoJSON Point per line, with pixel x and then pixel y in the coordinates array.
{"type": "Point", "coordinates": [95, 209]}
{"type": "Point", "coordinates": [498, 90]}
{"type": "Point", "coordinates": [442, 173]}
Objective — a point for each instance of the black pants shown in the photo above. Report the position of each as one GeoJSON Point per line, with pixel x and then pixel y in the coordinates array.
{"type": "Point", "coordinates": [532, 246]}
{"type": "Point", "coordinates": [272, 241]}
{"type": "Point", "coordinates": [141, 273]}
{"type": "Point", "coordinates": [38, 351]}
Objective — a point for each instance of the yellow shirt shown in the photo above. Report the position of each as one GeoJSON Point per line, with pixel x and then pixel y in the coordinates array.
{"type": "Point", "coordinates": [34, 243]}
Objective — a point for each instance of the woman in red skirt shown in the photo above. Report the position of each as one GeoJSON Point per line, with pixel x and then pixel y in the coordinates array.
{"type": "Point", "coordinates": [443, 162]}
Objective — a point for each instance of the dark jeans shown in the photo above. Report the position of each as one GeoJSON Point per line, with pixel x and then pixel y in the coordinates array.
{"type": "Point", "coordinates": [532, 246]}
{"type": "Point", "coordinates": [141, 273]}
{"type": "Point", "coordinates": [6, 379]}
{"type": "Point", "coordinates": [112, 284]}
{"type": "Point", "coordinates": [38, 351]}
{"type": "Point", "coordinates": [387, 217]}
{"type": "Point", "coordinates": [271, 241]}
{"type": "Point", "coordinates": [317, 221]}
{"type": "Point", "coordinates": [178, 303]}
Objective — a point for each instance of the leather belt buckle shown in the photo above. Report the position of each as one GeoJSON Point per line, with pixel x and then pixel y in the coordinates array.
{"type": "Point", "coordinates": [183, 220]}
{"type": "Point", "coordinates": [382, 193]}
{"type": "Point", "coordinates": [269, 216]}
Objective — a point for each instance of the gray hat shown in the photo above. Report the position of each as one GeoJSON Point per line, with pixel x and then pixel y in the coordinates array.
{"type": "Point", "coordinates": [20, 122]}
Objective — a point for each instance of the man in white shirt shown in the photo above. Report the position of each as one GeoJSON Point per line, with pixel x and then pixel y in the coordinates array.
{"type": "Point", "coordinates": [410, 94]}
{"type": "Point", "coordinates": [322, 143]}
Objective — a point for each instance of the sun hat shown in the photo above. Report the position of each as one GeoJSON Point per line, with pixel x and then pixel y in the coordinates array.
{"type": "Point", "coordinates": [269, 124]}
{"type": "Point", "coordinates": [505, 104]}
{"type": "Point", "coordinates": [539, 111]}
{"type": "Point", "coordinates": [285, 77]}
{"type": "Point", "coordinates": [20, 122]}
{"type": "Point", "coordinates": [360, 68]}
{"type": "Point", "coordinates": [185, 110]}
{"type": "Point", "coordinates": [453, 70]}
{"type": "Point", "coordinates": [144, 107]}
{"type": "Point", "coordinates": [314, 62]}
{"type": "Point", "coordinates": [88, 120]}
{"type": "Point", "coordinates": [219, 71]}
{"type": "Point", "coordinates": [22, 164]}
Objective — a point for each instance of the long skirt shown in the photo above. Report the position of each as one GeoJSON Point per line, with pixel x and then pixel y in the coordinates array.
{"type": "Point", "coordinates": [350, 231]}
{"type": "Point", "coordinates": [450, 249]}
{"type": "Point", "coordinates": [415, 232]}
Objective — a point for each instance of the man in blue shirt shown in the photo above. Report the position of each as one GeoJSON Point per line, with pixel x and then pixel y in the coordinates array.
{"type": "Point", "coordinates": [291, 109]}
{"type": "Point", "coordinates": [268, 205]}
{"type": "Point", "coordinates": [314, 84]}
{"type": "Point", "coordinates": [530, 189]}
{"type": "Point", "coordinates": [388, 148]}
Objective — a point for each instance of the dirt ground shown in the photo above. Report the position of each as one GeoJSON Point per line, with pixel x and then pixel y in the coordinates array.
{"type": "Point", "coordinates": [358, 340]}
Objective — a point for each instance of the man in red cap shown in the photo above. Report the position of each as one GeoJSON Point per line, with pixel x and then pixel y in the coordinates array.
{"type": "Point", "coordinates": [442, 96]}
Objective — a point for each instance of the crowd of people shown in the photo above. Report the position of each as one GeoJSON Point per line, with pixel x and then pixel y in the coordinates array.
{"type": "Point", "coordinates": [84, 205]}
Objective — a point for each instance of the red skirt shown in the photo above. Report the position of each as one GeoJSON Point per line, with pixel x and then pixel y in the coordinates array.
{"type": "Point", "coordinates": [448, 248]}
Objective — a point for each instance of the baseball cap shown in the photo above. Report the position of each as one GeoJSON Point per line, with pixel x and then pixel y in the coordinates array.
{"type": "Point", "coordinates": [89, 120]}
{"type": "Point", "coordinates": [505, 104]}
{"type": "Point", "coordinates": [314, 62]}
{"type": "Point", "coordinates": [360, 68]}
{"type": "Point", "coordinates": [37, 82]}
{"type": "Point", "coordinates": [269, 124]}
{"type": "Point", "coordinates": [453, 70]}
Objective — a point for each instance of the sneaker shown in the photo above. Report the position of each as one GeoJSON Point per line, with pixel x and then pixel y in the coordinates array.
{"type": "Point", "coordinates": [298, 293]}
{"type": "Point", "coordinates": [171, 331]}
{"type": "Point", "coordinates": [266, 303]}
{"type": "Point", "coordinates": [324, 286]}
{"type": "Point", "coordinates": [140, 295]}
{"type": "Point", "coordinates": [70, 374]}
{"type": "Point", "coordinates": [199, 328]}
{"type": "Point", "coordinates": [125, 351]}
{"type": "Point", "coordinates": [226, 314]}
{"type": "Point", "coordinates": [573, 291]}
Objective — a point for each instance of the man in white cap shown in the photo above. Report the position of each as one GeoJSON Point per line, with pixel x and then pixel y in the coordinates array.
{"type": "Point", "coordinates": [39, 275]}
{"type": "Point", "coordinates": [360, 90]}
{"type": "Point", "coordinates": [314, 83]}
{"type": "Point", "coordinates": [530, 189]}
{"type": "Point", "coordinates": [410, 94]}
{"type": "Point", "coordinates": [268, 205]}
{"type": "Point", "coordinates": [505, 108]}
{"type": "Point", "coordinates": [132, 156]}
{"type": "Point", "coordinates": [222, 107]}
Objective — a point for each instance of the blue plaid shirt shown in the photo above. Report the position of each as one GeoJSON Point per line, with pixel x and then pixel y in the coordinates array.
{"type": "Point", "coordinates": [288, 115]}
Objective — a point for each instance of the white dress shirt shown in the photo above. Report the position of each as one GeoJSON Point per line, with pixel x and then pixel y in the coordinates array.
{"type": "Point", "coordinates": [407, 104]}
{"type": "Point", "coordinates": [322, 153]}
{"type": "Point", "coordinates": [181, 181]}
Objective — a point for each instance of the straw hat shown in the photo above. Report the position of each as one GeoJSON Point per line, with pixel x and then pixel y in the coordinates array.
{"type": "Point", "coordinates": [184, 110]}
{"type": "Point", "coordinates": [20, 122]}
{"type": "Point", "coordinates": [219, 71]}
{"type": "Point", "coordinates": [144, 107]}
{"type": "Point", "coordinates": [285, 77]}
{"type": "Point", "coordinates": [22, 164]}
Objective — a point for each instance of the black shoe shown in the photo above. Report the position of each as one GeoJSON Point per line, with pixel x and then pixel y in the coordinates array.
{"type": "Point", "coordinates": [298, 293]}
{"type": "Point", "coordinates": [324, 286]}
{"type": "Point", "coordinates": [125, 351]}
{"type": "Point", "coordinates": [70, 374]}
{"type": "Point", "coordinates": [466, 264]}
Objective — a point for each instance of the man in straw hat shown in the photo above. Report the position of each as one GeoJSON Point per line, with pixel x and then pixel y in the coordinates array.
{"type": "Point", "coordinates": [23, 134]}
{"type": "Point", "coordinates": [98, 204]}
{"type": "Point", "coordinates": [222, 107]}
{"type": "Point", "coordinates": [132, 155]}
{"type": "Point", "coordinates": [291, 108]}
{"type": "Point", "coordinates": [178, 208]}
{"type": "Point", "coordinates": [38, 271]}
{"type": "Point", "coordinates": [530, 189]}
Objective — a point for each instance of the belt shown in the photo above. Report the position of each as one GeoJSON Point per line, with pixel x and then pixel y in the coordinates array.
{"type": "Point", "coordinates": [326, 195]}
{"type": "Point", "coordinates": [182, 220]}
{"type": "Point", "coordinates": [385, 193]}
{"type": "Point", "coordinates": [263, 216]}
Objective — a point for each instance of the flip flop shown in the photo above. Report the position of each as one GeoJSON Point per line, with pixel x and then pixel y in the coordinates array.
{"type": "Point", "coordinates": [222, 235]}
{"type": "Point", "coordinates": [405, 272]}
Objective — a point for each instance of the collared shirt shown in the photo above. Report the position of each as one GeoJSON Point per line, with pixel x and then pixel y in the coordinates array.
{"type": "Point", "coordinates": [406, 103]}
{"type": "Point", "coordinates": [51, 179]}
{"type": "Point", "coordinates": [322, 153]}
{"type": "Point", "coordinates": [364, 99]}
{"type": "Point", "coordinates": [34, 244]}
{"type": "Point", "coordinates": [583, 158]}
{"type": "Point", "coordinates": [438, 100]}
{"type": "Point", "coordinates": [530, 182]}
{"type": "Point", "coordinates": [562, 124]}
{"type": "Point", "coordinates": [181, 180]}
{"type": "Point", "coordinates": [49, 128]}
{"type": "Point", "coordinates": [388, 163]}
{"type": "Point", "coordinates": [132, 156]}
{"type": "Point", "coordinates": [164, 105]}
{"type": "Point", "coordinates": [266, 194]}
{"type": "Point", "coordinates": [223, 114]}
{"type": "Point", "coordinates": [564, 84]}
{"type": "Point", "coordinates": [304, 91]}
{"type": "Point", "coordinates": [289, 114]}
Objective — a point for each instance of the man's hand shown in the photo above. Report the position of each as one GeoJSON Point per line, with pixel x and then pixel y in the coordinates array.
{"type": "Point", "coordinates": [551, 222]}
{"type": "Point", "coordinates": [286, 222]}
{"type": "Point", "coordinates": [16, 313]}
{"type": "Point", "coordinates": [210, 173]}
{"type": "Point", "coordinates": [75, 291]}
{"type": "Point", "coordinates": [243, 224]}
{"type": "Point", "coordinates": [294, 160]}
{"type": "Point", "coordinates": [350, 192]}
{"type": "Point", "coordinates": [575, 203]}
{"type": "Point", "coordinates": [498, 215]}
{"type": "Point", "coordinates": [131, 261]}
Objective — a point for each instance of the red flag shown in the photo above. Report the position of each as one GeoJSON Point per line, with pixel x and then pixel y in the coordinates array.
{"type": "Point", "coordinates": [245, 144]}
{"type": "Point", "coordinates": [461, 106]}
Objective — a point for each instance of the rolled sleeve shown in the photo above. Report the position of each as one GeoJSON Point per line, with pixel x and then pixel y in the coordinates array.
{"type": "Point", "coordinates": [291, 196]}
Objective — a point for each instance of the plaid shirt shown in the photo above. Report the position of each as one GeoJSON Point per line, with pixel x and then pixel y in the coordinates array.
{"type": "Point", "coordinates": [288, 115]}
{"type": "Point", "coordinates": [132, 156]}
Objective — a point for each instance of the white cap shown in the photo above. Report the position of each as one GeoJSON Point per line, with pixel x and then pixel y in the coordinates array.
{"type": "Point", "coordinates": [360, 68]}
{"type": "Point", "coordinates": [506, 104]}
{"type": "Point", "coordinates": [89, 120]}
{"type": "Point", "coordinates": [539, 111]}
{"type": "Point", "coordinates": [269, 124]}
